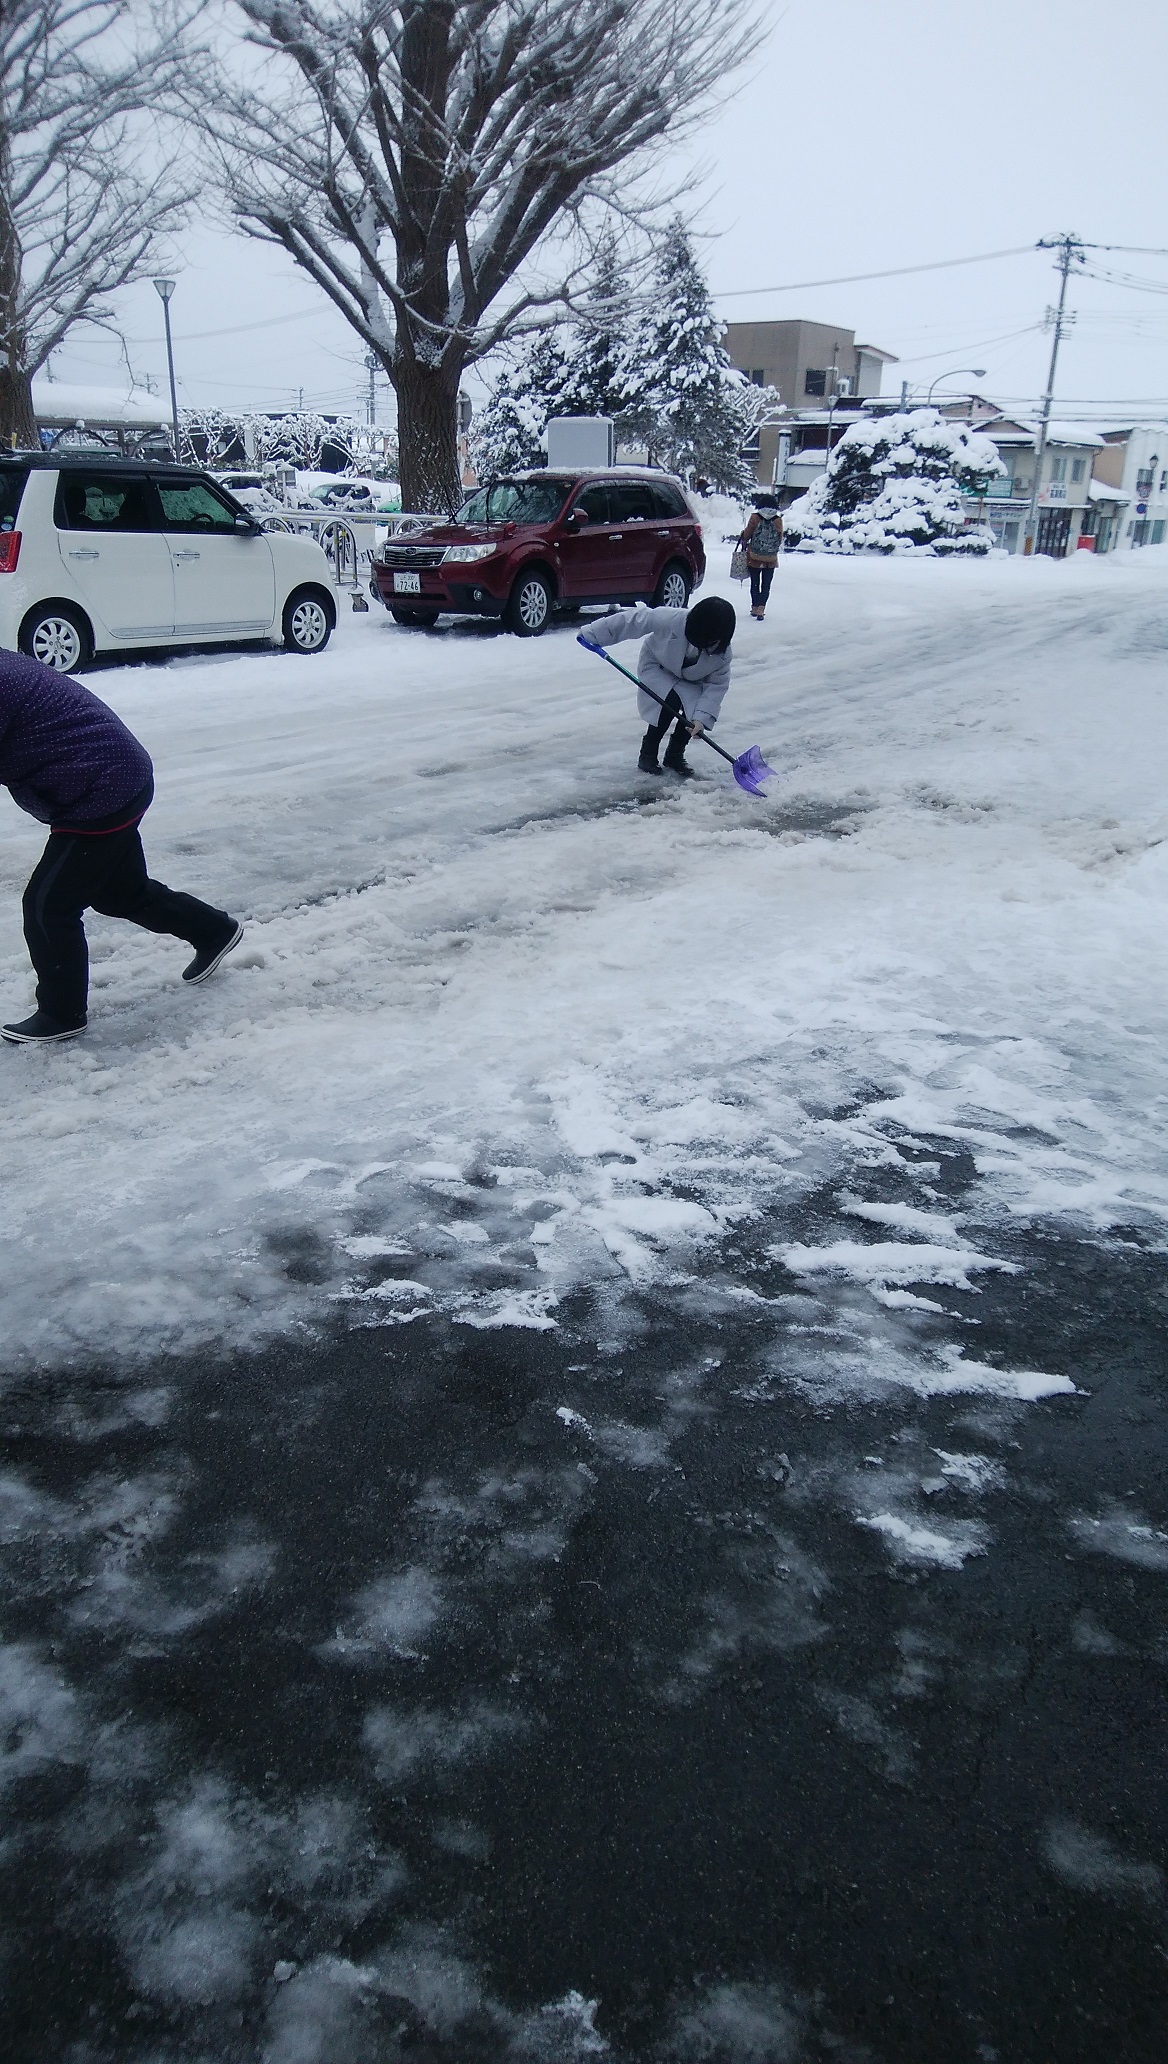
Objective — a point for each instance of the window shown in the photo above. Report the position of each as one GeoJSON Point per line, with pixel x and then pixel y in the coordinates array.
{"type": "Point", "coordinates": [12, 479]}
{"type": "Point", "coordinates": [758, 377]}
{"type": "Point", "coordinates": [631, 501]}
{"type": "Point", "coordinates": [1078, 468]}
{"type": "Point", "coordinates": [592, 503]}
{"type": "Point", "coordinates": [669, 499]}
{"type": "Point", "coordinates": [104, 501]}
{"type": "Point", "coordinates": [814, 382]}
{"type": "Point", "coordinates": [1058, 466]}
{"type": "Point", "coordinates": [1158, 533]}
{"type": "Point", "coordinates": [1164, 481]}
{"type": "Point", "coordinates": [194, 505]}
{"type": "Point", "coordinates": [1144, 481]}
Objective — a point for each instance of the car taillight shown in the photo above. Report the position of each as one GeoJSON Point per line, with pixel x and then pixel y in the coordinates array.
{"type": "Point", "coordinates": [9, 550]}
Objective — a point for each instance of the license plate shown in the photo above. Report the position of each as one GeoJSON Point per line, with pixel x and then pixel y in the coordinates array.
{"type": "Point", "coordinates": [407, 584]}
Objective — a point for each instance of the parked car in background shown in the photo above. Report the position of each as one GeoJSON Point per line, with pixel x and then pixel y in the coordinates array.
{"type": "Point", "coordinates": [252, 492]}
{"type": "Point", "coordinates": [99, 554]}
{"type": "Point", "coordinates": [349, 495]}
{"type": "Point", "coordinates": [537, 543]}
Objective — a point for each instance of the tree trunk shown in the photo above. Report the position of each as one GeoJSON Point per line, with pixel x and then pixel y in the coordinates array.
{"type": "Point", "coordinates": [427, 408]}
{"type": "Point", "coordinates": [18, 425]}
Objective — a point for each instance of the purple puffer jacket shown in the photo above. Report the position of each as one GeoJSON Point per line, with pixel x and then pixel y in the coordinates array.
{"type": "Point", "coordinates": [64, 756]}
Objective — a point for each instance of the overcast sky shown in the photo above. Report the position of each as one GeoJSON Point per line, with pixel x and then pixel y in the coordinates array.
{"type": "Point", "coordinates": [872, 134]}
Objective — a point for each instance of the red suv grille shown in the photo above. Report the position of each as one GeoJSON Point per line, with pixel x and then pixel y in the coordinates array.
{"type": "Point", "coordinates": [412, 556]}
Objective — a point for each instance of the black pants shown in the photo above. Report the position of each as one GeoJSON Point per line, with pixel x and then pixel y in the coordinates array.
{"type": "Point", "coordinates": [103, 871]}
{"type": "Point", "coordinates": [651, 741]}
{"type": "Point", "coordinates": [760, 585]}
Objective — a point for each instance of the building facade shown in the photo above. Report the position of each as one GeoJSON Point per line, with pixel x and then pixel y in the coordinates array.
{"type": "Point", "coordinates": [1134, 465]}
{"type": "Point", "coordinates": [816, 369]}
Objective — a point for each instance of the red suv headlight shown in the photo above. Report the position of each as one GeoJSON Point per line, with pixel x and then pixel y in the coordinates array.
{"type": "Point", "coordinates": [9, 550]}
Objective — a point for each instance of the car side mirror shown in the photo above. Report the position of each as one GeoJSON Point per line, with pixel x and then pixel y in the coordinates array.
{"type": "Point", "coordinates": [246, 526]}
{"type": "Point", "coordinates": [574, 520]}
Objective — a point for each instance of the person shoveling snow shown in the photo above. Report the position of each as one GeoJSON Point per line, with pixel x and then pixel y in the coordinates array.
{"type": "Point", "coordinates": [70, 762]}
{"type": "Point", "coordinates": [685, 660]}
{"type": "Point", "coordinates": [683, 673]}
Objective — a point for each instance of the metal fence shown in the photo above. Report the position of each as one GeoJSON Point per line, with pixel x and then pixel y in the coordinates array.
{"type": "Point", "coordinates": [349, 541]}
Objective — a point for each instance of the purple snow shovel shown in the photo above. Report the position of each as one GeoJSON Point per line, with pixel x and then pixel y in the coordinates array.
{"type": "Point", "coordinates": [750, 769]}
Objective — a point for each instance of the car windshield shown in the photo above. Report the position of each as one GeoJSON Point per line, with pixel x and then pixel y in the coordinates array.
{"type": "Point", "coordinates": [516, 501]}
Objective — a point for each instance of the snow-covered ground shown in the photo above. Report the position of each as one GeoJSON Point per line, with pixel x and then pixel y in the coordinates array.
{"type": "Point", "coordinates": [510, 1020]}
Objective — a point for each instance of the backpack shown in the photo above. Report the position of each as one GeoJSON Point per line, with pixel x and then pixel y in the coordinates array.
{"type": "Point", "coordinates": [765, 537]}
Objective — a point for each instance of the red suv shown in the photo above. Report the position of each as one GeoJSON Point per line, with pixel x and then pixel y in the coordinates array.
{"type": "Point", "coordinates": [525, 547]}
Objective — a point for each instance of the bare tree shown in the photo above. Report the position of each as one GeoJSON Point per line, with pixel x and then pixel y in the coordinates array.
{"type": "Point", "coordinates": [412, 154]}
{"type": "Point", "coordinates": [84, 198]}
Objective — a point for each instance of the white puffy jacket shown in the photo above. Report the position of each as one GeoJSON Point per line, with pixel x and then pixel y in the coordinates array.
{"type": "Point", "coordinates": [668, 661]}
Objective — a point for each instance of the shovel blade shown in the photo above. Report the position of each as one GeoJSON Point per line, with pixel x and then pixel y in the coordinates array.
{"type": "Point", "coordinates": [751, 770]}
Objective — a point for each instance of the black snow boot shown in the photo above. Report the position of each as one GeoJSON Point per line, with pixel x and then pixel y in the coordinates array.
{"type": "Point", "coordinates": [208, 958]}
{"type": "Point", "coordinates": [647, 764]}
{"type": "Point", "coordinates": [675, 754]}
{"type": "Point", "coordinates": [40, 1030]}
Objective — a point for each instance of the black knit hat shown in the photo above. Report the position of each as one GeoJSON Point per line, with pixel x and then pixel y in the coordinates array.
{"type": "Point", "coordinates": [711, 624]}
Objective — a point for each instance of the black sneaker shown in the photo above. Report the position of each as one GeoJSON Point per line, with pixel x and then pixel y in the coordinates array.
{"type": "Point", "coordinates": [40, 1030]}
{"type": "Point", "coordinates": [206, 962]}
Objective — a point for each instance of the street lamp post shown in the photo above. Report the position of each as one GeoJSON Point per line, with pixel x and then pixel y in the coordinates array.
{"type": "Point", "coordinates": [978, 372]}
{"type": "Point", "coordinates": [165, 288]}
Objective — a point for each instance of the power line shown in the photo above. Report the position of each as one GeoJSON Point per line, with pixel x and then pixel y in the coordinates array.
{"type": "Point", "coordinates": [268, 322]}
{"type": "Point", "coordinates": [848, 279]}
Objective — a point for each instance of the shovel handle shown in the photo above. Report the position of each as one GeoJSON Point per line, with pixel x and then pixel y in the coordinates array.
{"type": "Point", "coordinates": [650, 692]}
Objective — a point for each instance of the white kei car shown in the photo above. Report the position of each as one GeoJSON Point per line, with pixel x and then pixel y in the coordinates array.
{"type": "Point", "coordinates": [100, 554]}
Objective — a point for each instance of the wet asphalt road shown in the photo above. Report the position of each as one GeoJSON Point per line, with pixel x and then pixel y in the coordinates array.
{"type": "Point", "coordinates": [370, 1699]}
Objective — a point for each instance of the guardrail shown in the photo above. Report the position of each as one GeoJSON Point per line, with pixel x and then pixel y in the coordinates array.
{"type": "Point", "coordinates": [348, 541]}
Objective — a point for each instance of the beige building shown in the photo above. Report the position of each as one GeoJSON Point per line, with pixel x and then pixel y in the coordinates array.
{"type": "Point", "coordinates": [811, 365]}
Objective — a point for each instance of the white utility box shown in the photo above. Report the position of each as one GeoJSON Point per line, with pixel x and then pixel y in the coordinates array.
{"type": "Point", "coordinates": [580, 441]}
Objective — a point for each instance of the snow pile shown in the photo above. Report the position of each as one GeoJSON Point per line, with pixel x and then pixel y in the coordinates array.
{"type": "Point", "coordinates": [894, 484]}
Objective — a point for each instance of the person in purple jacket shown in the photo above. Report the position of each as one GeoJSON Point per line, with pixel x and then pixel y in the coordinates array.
{"type": "Point", "coordinates": [68, 761]}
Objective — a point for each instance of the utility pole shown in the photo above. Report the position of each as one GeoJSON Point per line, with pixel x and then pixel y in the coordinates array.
{"type": "Point", "coordinates": [165, 288]}
{"type": "Point", "coordinates": [371, 369]}
{"type": "Point", "coordinates": [1070, 252]}
{"type": "Point", "coordinates": [834, 378]}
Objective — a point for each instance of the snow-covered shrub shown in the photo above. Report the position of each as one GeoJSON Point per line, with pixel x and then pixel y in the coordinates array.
{"type": "Point", "coordinates": [894, 484]}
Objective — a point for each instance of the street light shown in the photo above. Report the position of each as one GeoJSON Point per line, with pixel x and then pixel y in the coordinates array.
{"type": "Point", "coordinates": [978, 371]}
{"type": "Point", "coordinates": [165, 288]}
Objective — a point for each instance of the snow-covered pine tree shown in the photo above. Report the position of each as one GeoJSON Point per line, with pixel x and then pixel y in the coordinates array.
{"type": "Point", "coordinates": [506, 433]}
{"type": "Point", "coordinates": [686, 401]}
{"type": "Point", "coordinates": [596, 362]}
{"type": "Point", "coordinates": [893, 484]}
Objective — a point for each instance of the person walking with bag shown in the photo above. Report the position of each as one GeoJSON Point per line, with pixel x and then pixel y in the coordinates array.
{"type": "Point", "coordinates": [761, 540]}
{"type": "Point", "coordinates": [67, 760]}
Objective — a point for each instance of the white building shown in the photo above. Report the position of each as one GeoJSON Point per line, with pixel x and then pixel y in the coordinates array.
{"type": "Point", "coordinates": [1133, 464]}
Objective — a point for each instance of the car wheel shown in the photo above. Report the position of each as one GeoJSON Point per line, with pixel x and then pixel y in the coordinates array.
{"type": "Point", "coordinates": [414, 619]}
{"type": "Point", "coordinates": [673, 587]}
{"type": "Point", "coordinates": [58, 636]}
{"type": "Point", "coordinates": [308, 620]}
{"type": "Point", "coordinates": [530, 606]}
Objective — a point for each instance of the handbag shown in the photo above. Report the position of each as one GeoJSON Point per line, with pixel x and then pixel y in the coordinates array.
{"type": "Point", "coordinates": [739, 570]}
